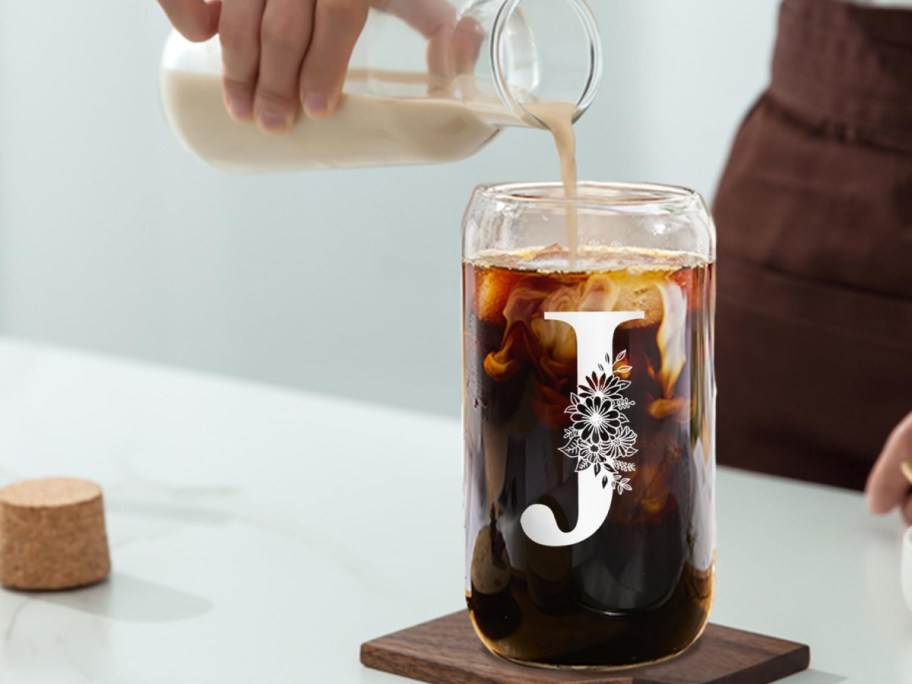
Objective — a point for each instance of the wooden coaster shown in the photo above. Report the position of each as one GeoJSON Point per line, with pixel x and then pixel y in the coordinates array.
{"type": "Point", "coordinates": [52, 534]}
{"type": "Point", "coordinates": [447, 651]}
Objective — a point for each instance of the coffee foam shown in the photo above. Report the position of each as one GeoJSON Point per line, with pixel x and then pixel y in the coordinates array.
{"type": "Point", "coordinates": [589, 259]}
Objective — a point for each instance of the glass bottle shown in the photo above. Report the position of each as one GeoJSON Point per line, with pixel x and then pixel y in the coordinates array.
{"type": "Point", "coordinates": [429, 81]}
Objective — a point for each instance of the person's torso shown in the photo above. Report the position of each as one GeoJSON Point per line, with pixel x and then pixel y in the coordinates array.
{"type": "Point", "coordinates": [814, 217]}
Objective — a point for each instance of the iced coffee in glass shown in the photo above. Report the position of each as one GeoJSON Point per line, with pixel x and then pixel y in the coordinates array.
{"type": "Point", "coordinates": [589, 409]}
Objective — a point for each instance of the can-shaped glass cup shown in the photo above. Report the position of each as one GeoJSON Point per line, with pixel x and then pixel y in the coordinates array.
{"type": "Point", "coordinates": [589, 413]}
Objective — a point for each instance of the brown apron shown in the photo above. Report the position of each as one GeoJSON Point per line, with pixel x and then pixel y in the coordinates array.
{"type": "Point", "coordinates": [814, 213]}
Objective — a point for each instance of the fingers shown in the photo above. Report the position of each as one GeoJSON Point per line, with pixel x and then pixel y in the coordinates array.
{"type": "Point", "coordinates": [239, 32]}
{"type": "Point", "coordinates": [466, 45]}
{"type": "Point", "coordinates": [284, 37]}
{"type": "Point", "coordinates": [887, 488]}
{"type": "Point", "coordinates": [337, 25]}
{"type": "Point", "coordinates": [278, 54]}
{"type": "Point", "coordinates": [195, 19]}
{"type": "Point", "coordinates": [440, 74]}
{"type": "Point", "coordinates": [436, 21]}
{"type": "Point", "coordinates": [425, 16]}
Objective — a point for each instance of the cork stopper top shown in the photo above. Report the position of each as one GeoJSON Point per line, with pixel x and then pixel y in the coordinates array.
{"type": "Point", "coordinates": [49, 492]}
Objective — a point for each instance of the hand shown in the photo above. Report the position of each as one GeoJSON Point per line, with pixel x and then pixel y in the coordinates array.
{"type": "Point", "coordinates": [280, 55]}
{"type": "Point", "coordinates": [277, 54]}
{"type": "Point", "coordinates": [887, 487]}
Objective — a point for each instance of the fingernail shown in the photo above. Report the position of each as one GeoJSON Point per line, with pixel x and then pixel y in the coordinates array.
{"type": "Point", "coordinates": [315, 105]}
{"type": "Point", "coordinates": [906, 468]}
{"type": "Point", "coordinates": [272, 122]}
{"type": "Point", "coordinates": [240, 110]}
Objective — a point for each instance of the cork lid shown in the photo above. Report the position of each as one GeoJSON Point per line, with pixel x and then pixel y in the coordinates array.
{"type": "Point", "coordinates": [49, 492]}
{"type": "Point", "coordinates": [52, 534]}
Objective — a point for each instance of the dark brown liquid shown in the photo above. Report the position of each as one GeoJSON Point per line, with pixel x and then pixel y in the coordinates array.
{"type": "Point", "coordinates": [639, 589]}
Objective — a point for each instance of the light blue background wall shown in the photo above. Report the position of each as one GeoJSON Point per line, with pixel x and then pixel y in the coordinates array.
{"type": "Point", "coordinates": [113, 239]}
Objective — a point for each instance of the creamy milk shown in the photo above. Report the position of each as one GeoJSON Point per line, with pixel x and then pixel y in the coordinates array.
{"type": "Point", "coordinates": [364, 130]}
{"type": "Point", "coordinates": [558, 117]}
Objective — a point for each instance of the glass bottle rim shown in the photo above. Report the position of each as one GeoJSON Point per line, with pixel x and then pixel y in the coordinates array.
{"type": "Point", "coordinates": [644, 199]}
{"type": "Point", "coordinates": [502, 84]}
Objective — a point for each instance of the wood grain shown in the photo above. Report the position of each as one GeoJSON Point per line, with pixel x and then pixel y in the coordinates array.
{"type": "Point", "coordinates": [446, 651]}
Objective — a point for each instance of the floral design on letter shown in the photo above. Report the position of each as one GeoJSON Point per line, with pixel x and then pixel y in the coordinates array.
{"type": "Point", "coordinates": [599, 436]}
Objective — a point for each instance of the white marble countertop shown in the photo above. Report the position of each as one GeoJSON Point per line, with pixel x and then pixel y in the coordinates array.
{"type": "Point", "coordinates": [260, 535]}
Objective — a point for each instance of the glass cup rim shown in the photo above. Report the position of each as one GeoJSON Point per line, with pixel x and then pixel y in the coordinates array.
{"type": "Point", "coordinates": [640, 198]}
